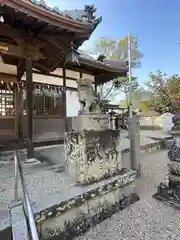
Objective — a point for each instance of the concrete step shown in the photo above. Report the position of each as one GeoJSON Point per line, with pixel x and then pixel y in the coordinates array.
{"type": "Point", "coordinates": [71, 208]}
{"type": "Point", "coordinates": [18, 222]}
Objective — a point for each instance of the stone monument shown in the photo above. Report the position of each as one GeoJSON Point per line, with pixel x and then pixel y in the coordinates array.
{"type": "Point", "coordinates": [169, 189]}
{"type": "Point", "coordinates": [92, 149]}
{"type": "Point", "coordinates": [93, 157]}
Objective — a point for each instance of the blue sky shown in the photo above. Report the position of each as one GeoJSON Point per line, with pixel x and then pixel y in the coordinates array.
{"type": "Point", "coordinates": [156, 23]}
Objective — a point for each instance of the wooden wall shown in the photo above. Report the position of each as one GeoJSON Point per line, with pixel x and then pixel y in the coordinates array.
{"type": "Point", "coordinates": [44, 127]}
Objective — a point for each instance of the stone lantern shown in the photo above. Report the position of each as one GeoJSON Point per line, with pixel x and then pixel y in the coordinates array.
{"type": "Point", "coordinates": [169, 190]}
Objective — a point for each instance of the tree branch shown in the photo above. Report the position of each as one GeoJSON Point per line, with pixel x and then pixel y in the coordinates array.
{"type": "Point", "coordinates": [109, 91]}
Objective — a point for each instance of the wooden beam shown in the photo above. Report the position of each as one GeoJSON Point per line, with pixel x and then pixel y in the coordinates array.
{"type": "Point", "coordinates": [20, 52]}
{"type": "Point", "coordinates": [9, 48]}
{"type": "Point", "coordinates": [21, 69]}
{"type": "Point", "coordinates": [61, 46]}
{"type": "Point", "coordinates": [77, 69]}
{"type": "Point", "coordinates": [6, 76]}
{"type": "Point", "coordinates": [18, 35]}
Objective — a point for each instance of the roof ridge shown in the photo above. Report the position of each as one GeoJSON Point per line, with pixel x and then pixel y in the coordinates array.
{"type": "Point", "coordinates": [86, 14]}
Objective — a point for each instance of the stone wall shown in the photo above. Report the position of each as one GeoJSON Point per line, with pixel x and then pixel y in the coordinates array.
{"type": "Point", "coordinates": [163, 122]}
{"type": "Point", "coordinates": [151, 123]}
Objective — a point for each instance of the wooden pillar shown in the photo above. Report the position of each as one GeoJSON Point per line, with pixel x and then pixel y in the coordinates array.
{"type": "Point", "coordinates": [64, 99]}
{"type": "Point", "coordinates": [29, 90]}
{"type": "Point", "coordinates": [95, 84]}
{"type": "Point", "coordinates": [18, 101]}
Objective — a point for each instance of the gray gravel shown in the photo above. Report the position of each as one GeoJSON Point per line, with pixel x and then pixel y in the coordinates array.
{"type": "Point", "coordinates": [146, 219]}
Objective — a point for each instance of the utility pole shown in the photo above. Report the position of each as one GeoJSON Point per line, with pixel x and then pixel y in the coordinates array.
{"type": "Point", "coordinates": [134, 134]}
{"type": "Point", "coordinates": [130, 77]}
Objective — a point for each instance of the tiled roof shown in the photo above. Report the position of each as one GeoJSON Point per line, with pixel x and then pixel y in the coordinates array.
{"type": "Point", "coordinates": [80, 56]}
{"type": "Point", "coordinates": [97, 57]}
{"type": "Point", "coordinates": [92, 56]}
{"type": "Point", "coordinates": [86, 15]}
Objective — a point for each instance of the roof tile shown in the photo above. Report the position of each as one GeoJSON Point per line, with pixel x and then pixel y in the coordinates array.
{"type": "Point", "coordinates": [81, 15]}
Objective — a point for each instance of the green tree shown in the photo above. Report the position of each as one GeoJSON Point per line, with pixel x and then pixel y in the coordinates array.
{"type": "Point", "coordinates": [166, 92]}
{"type": "Point", "coordinates": [122, 84]}
{"type": "Point", "coordinates": [142, 100]}
{"type": "Point", "coordinates": [117, 50]}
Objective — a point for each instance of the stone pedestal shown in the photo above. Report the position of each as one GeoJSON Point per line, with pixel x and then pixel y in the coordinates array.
{"type": "Point", "coordinates": [169, 190]}
{"type": "Point", "coordinates": [92, 155]}
{"type": "Point", "coordinates": [95, 122]}
{"type": "Point", "coordinates": [134, 137]}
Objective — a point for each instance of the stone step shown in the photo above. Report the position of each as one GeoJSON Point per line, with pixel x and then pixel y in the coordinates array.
{"type": "Point", "coordinates": [82, 207]}
{"type": "Point", "coordinates": [73, 208]}
{"type": "Point", "coordinates": [147, 148]}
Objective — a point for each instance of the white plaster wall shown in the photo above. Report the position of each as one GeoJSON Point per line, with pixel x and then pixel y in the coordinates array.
{"type": "Point", "coordinates": [45, 79]}
{"type": "Point", "coordinates": [6, 68]}
{"type": "Point", "coordinates": [72, 104]}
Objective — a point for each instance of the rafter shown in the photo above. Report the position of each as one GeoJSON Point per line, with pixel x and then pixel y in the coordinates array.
{"type": "Point", "coordinates": [20, 52]}
{"type": "Point", "coordinates": [19, 36]}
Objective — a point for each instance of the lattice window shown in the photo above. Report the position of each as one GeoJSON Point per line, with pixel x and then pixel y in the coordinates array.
{"type": "Point", "coordinates": [47, 100]}
{"type": "Point", "coordinates": [6, 99]}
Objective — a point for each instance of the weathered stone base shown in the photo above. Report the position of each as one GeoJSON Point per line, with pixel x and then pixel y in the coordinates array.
{"type": "Point", "coordinates": [167, 195]}
{"type": "Point", "coordinates": [74, 216]}
{"type": "Point", "coordinates": [174, 167]}
{"type": "Point", "coordinates": [92, 156]}
{"type": "Point", "coordinates": [81, 224]}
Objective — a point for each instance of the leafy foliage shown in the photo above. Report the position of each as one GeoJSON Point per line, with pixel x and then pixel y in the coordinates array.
{"type": "Point", "coordinates": [166, 92]}
{"type": "Point", "coordinates": [122, 84]}
{"type": "Point", "coordinates": [142, 100]}
{"type": "Point", "coordinates": [115, 50]}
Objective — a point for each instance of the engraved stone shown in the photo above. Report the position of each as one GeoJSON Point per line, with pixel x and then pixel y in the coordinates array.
{"type": "Point", "coordinates": [92, 155]}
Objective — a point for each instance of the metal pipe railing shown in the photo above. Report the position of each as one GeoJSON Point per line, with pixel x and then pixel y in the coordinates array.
{"type": "Point", "coordinates": [31, 221]}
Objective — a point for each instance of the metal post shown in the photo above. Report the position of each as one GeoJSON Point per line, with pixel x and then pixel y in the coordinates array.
{"type": "Point", "coordinates": [15, 178]}
{"type": "Point", "coordinates": [130, 82]}
{"type": "Point", "coordinates": [32, 224]}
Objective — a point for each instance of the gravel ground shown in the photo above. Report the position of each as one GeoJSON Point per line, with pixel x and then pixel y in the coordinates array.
{"type": "Point", "coordinates": [42, 183]}
{"type": "Point", "coordinates": [146, 219]}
